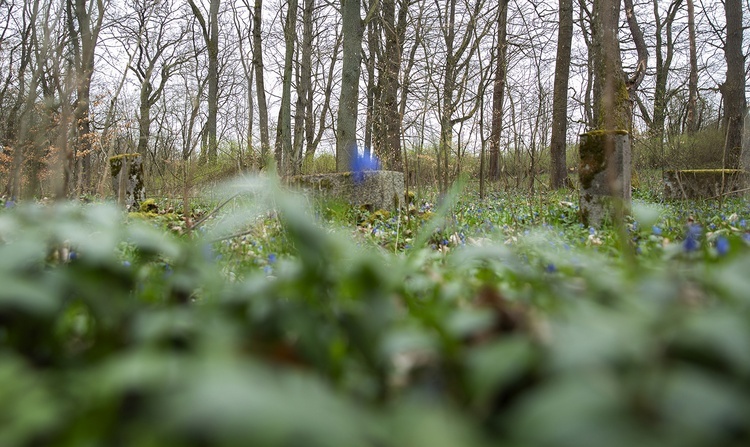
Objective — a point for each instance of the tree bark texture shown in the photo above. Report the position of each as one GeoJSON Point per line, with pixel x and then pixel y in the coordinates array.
{"type": "Point", "coordinates": [663, 67]}
{"type": "Point", "coordinates": [558, 140]}
{"type": "Point", "coordinates": [283, 150]}
{"type": "Point", "coordinates": [390, 65]}
{"type": "Point", "coordinates": [692, 119]}
{"type": "Point", "coordinates": [303, 109]}
{"type": "Point", "coordinates": [733, 88]}
{"type": "Point", "coordinates": [346, 132]}
{"type": "Point", "coordinates": [84, 38]}
{"type": "Point", "coordinates": [265, 140]}
{"type": "Point", "coordinates": [611, 99]}
{"type": "Point", "coordinates": [498, 90]}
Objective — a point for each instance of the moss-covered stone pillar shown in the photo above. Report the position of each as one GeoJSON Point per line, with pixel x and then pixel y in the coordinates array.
{"type": "Point", "coordinates": [604, 170]}
{"type": "Point", "coordinates": [127, 180]}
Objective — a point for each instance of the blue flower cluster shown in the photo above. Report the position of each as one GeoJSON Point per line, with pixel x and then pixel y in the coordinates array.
{"type": "Point", "coordinates": [692, 242]}
{"type": "Point", "coordinates": [361, 163]}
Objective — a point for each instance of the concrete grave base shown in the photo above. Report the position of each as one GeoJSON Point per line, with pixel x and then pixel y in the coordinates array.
{"type": "Point", "coordinates": [703, 183]}
{"type": "Point", "coordinates": [371, 189]}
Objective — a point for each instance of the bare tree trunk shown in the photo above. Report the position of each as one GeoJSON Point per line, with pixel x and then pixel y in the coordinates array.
{"type": "Point", "coordinates": [283, 147]}
{"type": "Point", "coordinates": [611, 99]}
{"type": "Point", "coordinates": [265, 140]}
{"type": "Point", "coordinates": [390, 127]}
{"type": "Point", "coordinates": [586, 25]}
{"type": "Point", "coordinates": [314, 137]}
{"type": "Point", "coordinates": [663, 66]}
{"type": "Point", "coordinates": [17, 123]}
{"type": "Point", "coordinates": [210, 32]}
{"type": "Point", "coordinates": [83, 39]}
{"type": "Point", "coordinates": [304, 86]}
{"type": "Point", "coordinates": [346, 132]}
{"type": "Point", "coordinates": [247, 71]}
{"type": "Point", "coordinates": [733, 88]}
{"type": "Point", "coordinates": [372, 122]}
{"type": "Point", "coordinates": [560, 99]}
{"type": "Point", "coordinates": [499, 90]}
{"type": "Point", "coordinates": [213, 80]}
{"type": "Point", "coordinates": [693, 79]}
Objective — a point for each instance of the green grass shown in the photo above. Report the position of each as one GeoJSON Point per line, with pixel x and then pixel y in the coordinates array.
{"type": "Point", "coordinates": [281, 320]}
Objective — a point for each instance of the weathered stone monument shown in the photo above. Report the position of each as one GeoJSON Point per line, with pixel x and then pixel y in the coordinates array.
{"type": "Point", "coordinates": [127, 180]}
{"type": "Point", "coordinates": [605, 171]}
{"type": "Point", "coordinates": [370, 189]}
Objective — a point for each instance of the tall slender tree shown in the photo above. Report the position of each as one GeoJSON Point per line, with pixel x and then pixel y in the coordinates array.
{"type": "Point", "coordinates": [210, 32]}
{"type": "Point", "coordinates": [155, 32]}
{"type": "Point", "coordinates": [664, 52]}
{"type": "Point", "coordinates": [733, 88]}
{"type": "Point", "coordinates": [498, 93]}
{"type": "Point", "coordinates": [394, 29]}
{"type": "Point", "coordinates": [353, 30]}
{"type": "Point", "coordinates": [260, 88]}
{"type": "Point", "coordinates": [303, 122]}
{"type": "Point", "coordinates": [558, 140]}
{"type": "Point", "coordinates": [611, 103]}
{"type": "Point", "coordinates": [283, 146]}
{"type": "Point", "coordinates": [692, 119]}
{"type": "Point", "coordinates": [84, 21]}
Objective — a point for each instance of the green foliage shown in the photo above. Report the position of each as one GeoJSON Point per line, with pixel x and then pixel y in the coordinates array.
{"type": "Point", "coordinates": [322, 163]}
{"type": "Point", "coordinates": [499, 322]}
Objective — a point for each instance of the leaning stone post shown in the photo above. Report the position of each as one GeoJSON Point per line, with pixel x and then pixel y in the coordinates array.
{"type": "Point", "coordinates": [127, 180]}
{"type": "Point", "coordinates": [604, 170]}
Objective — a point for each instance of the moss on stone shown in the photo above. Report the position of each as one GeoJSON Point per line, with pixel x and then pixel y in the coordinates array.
{"type": "Point", "coordinates": [115, 162]}
{"type": "Point", "coordinates": [149, 206]}
{"type": "Point", "coordinates": [593, 157]}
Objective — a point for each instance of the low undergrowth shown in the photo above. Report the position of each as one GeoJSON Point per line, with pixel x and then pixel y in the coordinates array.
{"type": "Point", "coordinates": [452, 323]}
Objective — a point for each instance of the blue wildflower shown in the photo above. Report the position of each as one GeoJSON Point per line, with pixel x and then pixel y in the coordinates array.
{"type": "Point", "coordinates": [551, 268]}
{"type": "Point", "coordinates": [10, 203]}
{"type": "Point", "coordinates": [722, 245]}
{"type": "Point", "coordinates": [126, 264]}
{"type": "Point", "coordinates": [272, 258]}
{"type": "Point", "coordinates": [656, 230]}
{"type": "Point", "coordinates": [267, 270]}
{"type": "Point", "coordinates": [743, 223]}
{"type": "Point", "coordinates": [691, 240]}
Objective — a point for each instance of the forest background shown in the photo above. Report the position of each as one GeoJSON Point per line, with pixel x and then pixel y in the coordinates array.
{"type": "Point", "coordinates": [496, 89]}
